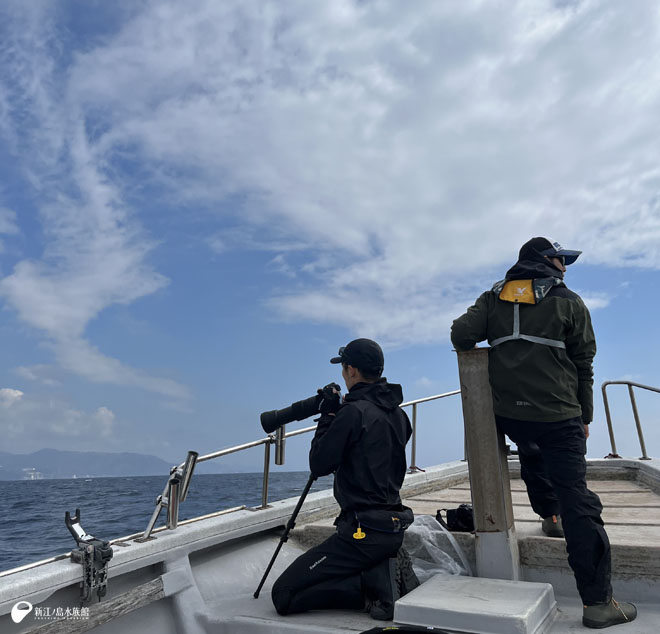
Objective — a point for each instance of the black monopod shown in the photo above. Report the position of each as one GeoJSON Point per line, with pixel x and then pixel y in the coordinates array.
{"type": "Point", "coordinates": [289, 527]}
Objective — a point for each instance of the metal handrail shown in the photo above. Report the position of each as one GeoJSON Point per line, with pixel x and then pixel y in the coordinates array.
{"type": "Point", "coordinates": [267, 442]}
{"type": "Point", "coordinates": [633, 402]}
{"type": "Point", "coordinates": [270, 439]}
{"type": "Point", "coordinates": [413, 445]}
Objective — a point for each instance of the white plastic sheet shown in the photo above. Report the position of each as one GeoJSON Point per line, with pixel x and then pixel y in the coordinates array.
{"type": "Point", "coordinates": [427, 543]}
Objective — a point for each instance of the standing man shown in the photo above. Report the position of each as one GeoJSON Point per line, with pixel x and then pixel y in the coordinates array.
{"type": "Point", "coordinates": [540, 368]}
{"type": "Point", "coordinates": [362, 440]}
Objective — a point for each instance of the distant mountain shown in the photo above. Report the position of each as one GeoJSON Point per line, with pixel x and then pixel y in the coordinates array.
{"type": "Point", "coordinates": [51, 463]}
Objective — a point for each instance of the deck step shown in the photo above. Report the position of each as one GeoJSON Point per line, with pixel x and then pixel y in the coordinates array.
{"type": "Point", "coordinates": [479, 606]}
{"type": "Point", "coordinates": [635, 549]}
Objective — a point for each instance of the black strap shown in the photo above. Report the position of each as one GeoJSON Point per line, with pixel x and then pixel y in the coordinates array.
{"type": "Point", "coordinates": [438, 516]}
{"type": "Point", "coordinates": [404, 629]}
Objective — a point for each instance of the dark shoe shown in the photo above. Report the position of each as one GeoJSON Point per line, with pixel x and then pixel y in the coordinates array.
{"type": "Point", "coordinates": [552, 526]}
{"type": "Point", "coordinates": [406, 578]}
{"type": "Point", "coordinates": [606, 614]}
{"type": "Point", "coordinates": [380, 611]}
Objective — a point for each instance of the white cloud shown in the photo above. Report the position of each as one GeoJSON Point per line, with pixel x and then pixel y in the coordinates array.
{"type": "Point", "coordinates": [8, 221]}
{"type": "Point", "coordinates": [595, 301]}
{"type": "Point", "coordinates": [247, 238]}
{"type": "Point", "coordinates": [8, 224]}
{"type": "Point", "coordinates": [54, 423]}
{"type": "Point", "coordinates": [427, 385]}
{"type": "Point", "coordinates": [82, 358]}
{"type": "Point", "coordinates": [414, 146]}
{"type": "Point", "coordinates": [635, 378]}
{"type": "Point", "coordinates": [410, 152]}
{"type": "Point", "coordinates": [280, 265]}
{"type": "Point", "coordinates": [96, 250]}
{"type": "Point", "coordinates": [40, 373]}
{"type": "Point", "coordinates": [105, 419]}
{"type": "Point", "coordinates": [9, 397]}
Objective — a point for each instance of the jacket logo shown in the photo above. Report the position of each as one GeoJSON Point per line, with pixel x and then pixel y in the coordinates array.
{"type": "Point", "coordinates": [523, 403]}
{"type": "Point", "coordinates": [316, 563]}
{"type": "Point", "coordinates": [520, 291]}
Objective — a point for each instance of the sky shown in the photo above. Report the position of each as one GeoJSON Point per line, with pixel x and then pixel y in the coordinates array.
{"type": "Point", "coordinates": [200, 202]}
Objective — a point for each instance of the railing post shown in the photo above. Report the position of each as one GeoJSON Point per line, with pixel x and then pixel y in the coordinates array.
{"type": "Point", "coordinates": [496, 545]}
{"type": "Point", "coordinates": [413, 450]}
{"type": "Point", "coordinates": [642, 444]}
{"type": "Point", "coordinates": [280, 443]}
{"type": "Point", "coordinates": [173, 502]}
{"type": "Point", "coordinates": [608, 416]}
{"type": "Point", "coordinates": [264, 490]}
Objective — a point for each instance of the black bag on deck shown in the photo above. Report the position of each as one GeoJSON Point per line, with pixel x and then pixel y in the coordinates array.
{"type": "Point", "coordinates": [460, 519]}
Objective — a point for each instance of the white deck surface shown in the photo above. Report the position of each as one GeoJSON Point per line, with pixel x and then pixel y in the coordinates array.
{"type": "Point", "coordinates": [258, 615]}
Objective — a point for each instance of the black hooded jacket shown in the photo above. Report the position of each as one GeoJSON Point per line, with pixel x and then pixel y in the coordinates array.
{"type": "Point", "coordinates": [364, 444]}
{"type": "Point", "coordinates": [531, 380]}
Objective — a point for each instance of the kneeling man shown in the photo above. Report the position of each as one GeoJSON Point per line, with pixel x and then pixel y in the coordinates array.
{"type": "Point", "coordinates": [362, 440]}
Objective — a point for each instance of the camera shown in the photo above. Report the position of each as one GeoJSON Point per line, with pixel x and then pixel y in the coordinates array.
{"type": "Point", "coordinates": [326, 398]}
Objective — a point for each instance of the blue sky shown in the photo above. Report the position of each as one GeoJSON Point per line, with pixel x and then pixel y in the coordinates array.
{"type": "Point", "coordinates": [199, 203]}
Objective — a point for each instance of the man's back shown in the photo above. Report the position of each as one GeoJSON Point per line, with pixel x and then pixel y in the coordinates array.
{"type": "Point", "coordinates": [365, 446]}
{"type": "Point", "coordinates": [542, 345]}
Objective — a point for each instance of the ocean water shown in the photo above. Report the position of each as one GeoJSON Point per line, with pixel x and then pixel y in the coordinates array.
{"type": "Point", "coordinates": [32, 511]}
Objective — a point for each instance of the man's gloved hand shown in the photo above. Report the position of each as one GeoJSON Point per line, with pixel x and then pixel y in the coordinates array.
{"type": "Point", "coordinates": [329, 398]}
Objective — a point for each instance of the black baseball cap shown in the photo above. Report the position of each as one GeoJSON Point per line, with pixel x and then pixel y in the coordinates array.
{"type": "Point", "coordinates": [363, 354]}
{"type": "Point", "coordinates": [549, 248]}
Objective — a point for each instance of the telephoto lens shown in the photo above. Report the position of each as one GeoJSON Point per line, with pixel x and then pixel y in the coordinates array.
{"type": "Point", "coordinates": [273, 420]}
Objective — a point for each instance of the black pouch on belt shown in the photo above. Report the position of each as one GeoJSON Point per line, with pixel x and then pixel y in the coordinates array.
{"type": "Point", "coordinates": [385, 521]}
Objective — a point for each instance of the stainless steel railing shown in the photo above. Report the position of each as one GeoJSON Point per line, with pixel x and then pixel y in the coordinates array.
{"type": "Point", "coordinates": [271, 440]}
{"type": "Point", "coordinates": [184, 470]}
{"type": "Point", "coordinates": [413, 440]}
{"type": "Point", "coordinates": [633, 403]}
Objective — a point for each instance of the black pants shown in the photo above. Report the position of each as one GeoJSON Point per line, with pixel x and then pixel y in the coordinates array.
{"type": "Point", "coordinates": [555, 472]}
{"type": "Point", "coordinates": [328, 575]}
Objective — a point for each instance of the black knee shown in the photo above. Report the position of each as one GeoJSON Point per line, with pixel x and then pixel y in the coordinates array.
{"type": "Point", "coordinates": [281, 598]}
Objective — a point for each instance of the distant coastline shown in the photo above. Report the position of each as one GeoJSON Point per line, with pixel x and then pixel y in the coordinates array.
{"type": "Point", "coordinates": [52, 464]}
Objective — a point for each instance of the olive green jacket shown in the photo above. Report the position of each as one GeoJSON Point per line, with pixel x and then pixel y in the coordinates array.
{"type": "Point", "coordinates": [543, 372]}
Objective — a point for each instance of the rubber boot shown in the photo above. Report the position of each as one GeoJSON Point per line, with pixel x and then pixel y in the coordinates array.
{"type": "Point", "coordinates": [607, 614]}
{"type": "Point", "coordinates": [552, 526]}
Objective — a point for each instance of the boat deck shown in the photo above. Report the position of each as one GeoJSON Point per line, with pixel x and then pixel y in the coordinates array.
{"type": "Point", "coordinates": [209, 569]}
{"type": "Point", "coordinates": [632, 516]}
{"type": "Point", "coordinates": [631, 512]}
{"type": "Point", "coordinates": [258, 616]}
